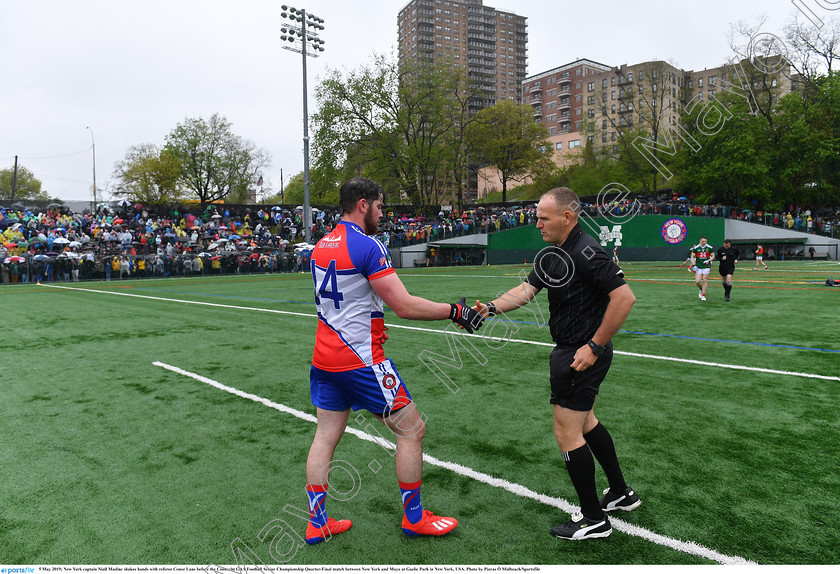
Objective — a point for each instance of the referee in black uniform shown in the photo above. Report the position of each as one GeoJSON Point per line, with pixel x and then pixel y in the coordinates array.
{"type": "Point", "coordinates": [728, 257]}
{"type": "Point", "coordinates": [588, 303]}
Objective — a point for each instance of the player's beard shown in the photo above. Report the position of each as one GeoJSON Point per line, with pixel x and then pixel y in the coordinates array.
{"type": "Point", "coordinates": [371, 223]}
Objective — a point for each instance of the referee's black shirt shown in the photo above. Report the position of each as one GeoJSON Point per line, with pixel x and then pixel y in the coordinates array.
{"type": "Point", "coordinates": [731, 255]}
{"type": "Point", "coordinates": [579, 276]}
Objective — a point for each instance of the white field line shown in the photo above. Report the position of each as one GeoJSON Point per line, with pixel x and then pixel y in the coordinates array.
{"type": "Point", "coordinates": [439, 331]}
{"type": "Point", "coordinates": [692, 548]}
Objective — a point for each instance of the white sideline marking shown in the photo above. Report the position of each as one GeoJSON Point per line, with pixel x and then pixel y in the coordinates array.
{"type": "Point", "coordinates": [437, 331]}
{"type": "Point", "coordinates": [692, 548]}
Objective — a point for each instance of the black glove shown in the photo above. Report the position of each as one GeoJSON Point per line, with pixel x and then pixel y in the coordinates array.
{"type": "Point", "coordinates": [464, 316]}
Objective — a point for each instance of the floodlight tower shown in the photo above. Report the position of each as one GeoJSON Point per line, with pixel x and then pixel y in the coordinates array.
{"type": "Point", "coordinates": [302, 37]}
{"type": "Point", "coordinates": [93, 148]}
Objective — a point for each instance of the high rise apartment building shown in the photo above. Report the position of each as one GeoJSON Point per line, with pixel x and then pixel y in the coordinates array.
{"type": "Point", "coordinates": [490, 44]}
{"type": "Point", "coordinates": [585, 101]}
{"type": "Point", "coordinates": [558, 98]}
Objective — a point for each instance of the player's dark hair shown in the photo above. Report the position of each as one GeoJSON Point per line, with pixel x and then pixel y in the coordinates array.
{"type": "Point", "coordinates": [358, 188]}
{"type": "Point", "coordinates": [565, 199]}
{"type": "Point", "coordinates": [727, 241]}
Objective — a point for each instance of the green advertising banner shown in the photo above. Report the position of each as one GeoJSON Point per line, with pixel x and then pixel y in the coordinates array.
{"type": "Point", "coordinates": [639, 238]}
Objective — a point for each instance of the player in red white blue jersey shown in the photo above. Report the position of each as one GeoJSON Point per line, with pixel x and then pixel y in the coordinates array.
{"type": "Point", "coordinates": [353, 279]}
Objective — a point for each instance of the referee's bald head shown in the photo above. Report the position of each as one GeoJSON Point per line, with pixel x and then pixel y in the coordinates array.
{"type": "Point", "coordinates": [565, 199]}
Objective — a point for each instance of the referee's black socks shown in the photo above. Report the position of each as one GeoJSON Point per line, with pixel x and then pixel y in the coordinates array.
{"type": "Point", "coordinates": [581, 469]}
{"type": "Point", "coordinates": [601, 444]}
{"type": "Point", "coordinates": [727, 288]}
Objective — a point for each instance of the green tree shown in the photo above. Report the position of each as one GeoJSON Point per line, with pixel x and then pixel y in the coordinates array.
{"type": "Point", "coordinates": [150, 175]}
{"type": "Point", "coordinates": [733, 166]}
{"type": "Point", "coordinates": [27, 186]}
{"type": "Point", "coordinates": [215, 161]}
{"type": "Point", "coordinates": [593, 170]}
{"type": "Point", "coordinates": [322, 190]}
{"type": "Point", "coordinates": [401, 126]}
{"type": "Point", "coordinates": [506, 137]}
{"type": "Point", "coordinates": [808, 155]}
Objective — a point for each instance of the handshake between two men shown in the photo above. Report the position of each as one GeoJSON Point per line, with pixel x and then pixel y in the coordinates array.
{"type": "Point", "coordinates": [471, 318]}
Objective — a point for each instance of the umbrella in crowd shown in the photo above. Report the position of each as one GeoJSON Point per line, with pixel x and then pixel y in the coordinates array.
{"type": "Point", "coordinates": [61, 241]}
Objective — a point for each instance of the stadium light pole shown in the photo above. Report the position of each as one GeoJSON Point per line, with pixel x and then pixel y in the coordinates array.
{"type": "Point", "coordinates": [93, 148]}
{"type": "Point", "coordinates": [301, 36]}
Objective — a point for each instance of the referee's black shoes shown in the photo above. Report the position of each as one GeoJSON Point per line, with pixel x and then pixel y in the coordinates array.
{"type": "Point", "coordinates": [581, 528]}
{"type": "Point", "coordinates": [627, 500]}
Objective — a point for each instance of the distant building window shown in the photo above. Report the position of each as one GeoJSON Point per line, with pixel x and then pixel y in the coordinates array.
{"type": "Point", "coordinates": [558, 146]}
{"type": "Point", "coordinates": [574, 143]}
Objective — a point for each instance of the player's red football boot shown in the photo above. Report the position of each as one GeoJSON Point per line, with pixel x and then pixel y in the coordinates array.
{"type": "Point", "coordinates": [429, 525]}
{"type": "Point", "coordinates": [314, 535]}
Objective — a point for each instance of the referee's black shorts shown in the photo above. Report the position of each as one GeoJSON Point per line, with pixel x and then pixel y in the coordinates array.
{"type": "Point", "coordinates": [576, 390]}
{"type": "Point", "coordinates": [724, 271]}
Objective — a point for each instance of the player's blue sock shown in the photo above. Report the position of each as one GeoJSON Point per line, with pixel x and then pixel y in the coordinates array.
{"type": "Point", "coordinates": [317, 495]}
{"type": "Point", "coordinates": [410, 492]}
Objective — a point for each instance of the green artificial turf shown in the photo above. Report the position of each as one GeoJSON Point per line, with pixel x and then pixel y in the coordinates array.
{"type": "Point", "coordinates": [110, 459]}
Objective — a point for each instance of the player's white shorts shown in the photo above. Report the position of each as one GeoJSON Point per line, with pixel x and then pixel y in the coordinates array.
{"type": "Point", "coordinates": [704, 271]}
{"type": "Point", "coordinates": [759, 257]}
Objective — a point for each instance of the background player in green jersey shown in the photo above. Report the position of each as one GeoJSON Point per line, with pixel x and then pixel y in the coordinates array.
{"type": "Point", "coordinates": [702, 256]}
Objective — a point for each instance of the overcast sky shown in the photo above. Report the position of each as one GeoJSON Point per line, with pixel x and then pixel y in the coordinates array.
{"type": "Point", "coordinates": [131, 70]}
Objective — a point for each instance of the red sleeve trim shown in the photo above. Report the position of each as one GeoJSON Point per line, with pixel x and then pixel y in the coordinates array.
{"type": "Point", "coordinates": [382, 273]}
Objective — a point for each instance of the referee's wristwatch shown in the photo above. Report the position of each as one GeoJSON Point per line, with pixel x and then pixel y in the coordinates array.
{"type": "Point", "coordinates": [596, 348]}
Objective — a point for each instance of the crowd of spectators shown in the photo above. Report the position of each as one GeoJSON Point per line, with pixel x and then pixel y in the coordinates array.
{"type": "Point", "coordinates": [130, 241]}
{"type": "Point", "coordinates": [55, 244]}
